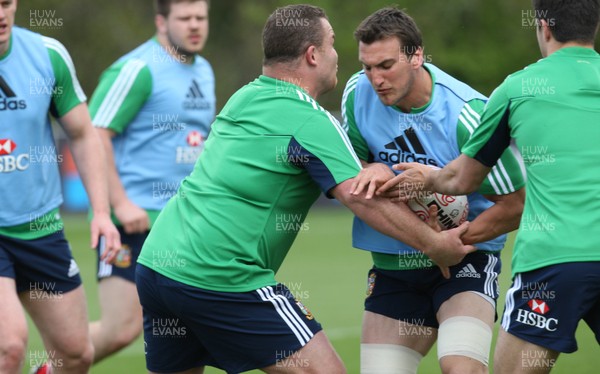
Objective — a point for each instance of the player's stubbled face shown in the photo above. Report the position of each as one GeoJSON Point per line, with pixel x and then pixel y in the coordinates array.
{"type": "Point", "coordinates": [187, 26]}
{"type": "Point", "coordinates": [7, 19]}
{"type": "Point", "coordinates": [328, 58]}
{"type": "Point", "coordinates": [389, 70]}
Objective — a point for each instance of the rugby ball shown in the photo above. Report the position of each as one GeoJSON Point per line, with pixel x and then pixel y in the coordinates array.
{"type": "Point", "coordinates": [452, 210]}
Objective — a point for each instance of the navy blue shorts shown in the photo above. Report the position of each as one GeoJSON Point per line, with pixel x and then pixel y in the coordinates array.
{"type": "Point", "coordinates": [544, 306]}
{"type": "Point", "coordinates": [124, 265]}
{"type": "Point", "coordinates": [187, 327]}
{"type": "Point", "coordinates": [43, 265]}
{"type": "Point", "coordinates": [415, 296]}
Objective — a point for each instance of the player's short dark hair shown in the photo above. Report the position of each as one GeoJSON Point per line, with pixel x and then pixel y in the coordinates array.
{"type": "Point", "coordinates": [390, 22]}
{"type": "Point", "coordinates": [290, 30]}
{"type": "Point", "coordinates": [163, 7]}
{"type": "Point", "coordinates": [570, 20]}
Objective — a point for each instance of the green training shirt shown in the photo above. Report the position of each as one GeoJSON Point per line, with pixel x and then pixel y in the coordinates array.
{"type": "Point", "coordinates": [552, 110]}
{"type": "Point", "coordinates": [235, 217]}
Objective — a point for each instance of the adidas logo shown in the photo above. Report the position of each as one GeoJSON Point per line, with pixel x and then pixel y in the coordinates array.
{"type": "Point", "coordinates": [73, 269]}
{"type": "Point", "coordinates": [195, 97]}
{"type": "Point", "coordinates": [8, 100]}
{"type": "Point", "coordinates": [468, 271]}
{"type": "Point", "coordinates": [408, 148]}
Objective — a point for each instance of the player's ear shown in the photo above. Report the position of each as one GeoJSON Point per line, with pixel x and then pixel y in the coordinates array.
{"type": "Point", "coordinates": [311, 55]}
{"type": "Point", "coordinates": [161, 23]}
{"type": "Point", "coordinates": [416, 60]}
{"type": "Point", "coordinates": [546, 32]}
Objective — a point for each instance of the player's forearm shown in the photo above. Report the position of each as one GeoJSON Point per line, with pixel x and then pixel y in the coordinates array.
{"type": "Point", "coordinates": [89, 158]}
{"type": "Point", "coordinates": [461, 176]}
{"type": "Point", "coordinates": [392, 219]}
{"type": "Point", "coordinates": [501, 218]}
{"type": "Point", "coordinates": [116, 190]}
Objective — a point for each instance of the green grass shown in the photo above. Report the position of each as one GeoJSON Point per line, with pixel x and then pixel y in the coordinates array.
{"type": "Point", "coordinates": [329, 274]}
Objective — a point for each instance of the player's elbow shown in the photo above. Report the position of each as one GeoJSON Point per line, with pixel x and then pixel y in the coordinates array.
{"type": "Point", "coordinates": [342, 194]}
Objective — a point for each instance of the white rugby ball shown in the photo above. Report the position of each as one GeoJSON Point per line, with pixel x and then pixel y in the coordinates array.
{"type": "Point", "coordinates": [452, 210]}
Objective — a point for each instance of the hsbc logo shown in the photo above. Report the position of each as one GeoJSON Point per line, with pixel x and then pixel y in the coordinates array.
{"type": "Point", "coordinates": [189, 154]}
{"type": "Point", "coordinates": [194, 138]}
{"type": "Point", "coordinates": [9, 162]}
{"type": "Point", "coordinates": [538, 306]}
{"type": "Point", "coordinates": [7, 146]}
{"type": "Point", "coordinates": [536, 317]}
{"type": "Point", "coordinates": [8, 98]}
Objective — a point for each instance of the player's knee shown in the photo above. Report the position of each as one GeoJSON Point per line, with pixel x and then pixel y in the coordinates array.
{"type": "Point", "coordinates": [388, 359]}
{"type": "Point", "coordinates": [77, 357]}
{"type": "Point", "coordinates": [464, 345]}
{"type": "Point", "coordinates": [12, 354]}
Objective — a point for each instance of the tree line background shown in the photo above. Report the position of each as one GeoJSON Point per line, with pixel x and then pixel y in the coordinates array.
{"type": "Point", "coordinates": [477, 41]}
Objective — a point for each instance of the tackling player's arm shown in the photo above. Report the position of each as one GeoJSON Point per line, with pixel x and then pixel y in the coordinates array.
{"type": "Point", "coordinates": [110, 120]}
{"type": "Point", "coordinates": [68, 106]}
{"type": "Point", "coordinates": [332, 164]}
{"type": "Point", "coordinates": [503, 185]}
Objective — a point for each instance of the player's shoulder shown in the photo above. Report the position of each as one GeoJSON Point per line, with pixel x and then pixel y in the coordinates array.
{"type": "Point", "coordinates": [453, 86]}
{"type": "Point", "coordinates": [32, 38]}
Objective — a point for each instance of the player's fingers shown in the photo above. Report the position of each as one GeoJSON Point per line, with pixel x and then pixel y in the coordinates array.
{"type": "Point", "coordinates": [402, 166]}
{"type": "Point", "coordinates": [371, 190]}
{"type": "Point", "coordinates": [470, 248]}
{"type": "Point", "coordinates": [432, 220]}
{"type": "Point", "coordinates": [462, 228]}
{"type": "Point", "coordinates": [392, 183]}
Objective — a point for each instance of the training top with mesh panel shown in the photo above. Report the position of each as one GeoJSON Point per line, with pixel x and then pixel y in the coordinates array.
{"type": "Point", "coordinates": [37, 78]}
{"type": "Point", "coordinates": [552, 110]}
{"type": "Point", "coordinates": [231, 224]}
{"type": "Point", "coordinates": [431, 135]}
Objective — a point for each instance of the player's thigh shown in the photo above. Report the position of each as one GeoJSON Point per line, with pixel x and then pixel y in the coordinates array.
{"type": "Point", "coordinates": [513, 355]}
{"type": "Point", "coordinates": [61, 319]}
{"type": "Point", "coordinates": [13, 325]}
{"type": "Point", "coordinates": [120, 304]}
{"type": "Point", "coordinates": [468, 304]}
{"type": "Point", "coordinates": [317, 356]}
{"type": "Point", "coordinates": [380, 329]}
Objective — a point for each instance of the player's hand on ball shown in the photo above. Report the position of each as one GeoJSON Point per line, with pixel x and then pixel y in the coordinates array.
{"type": "Point", "coordinates": [412, 180]}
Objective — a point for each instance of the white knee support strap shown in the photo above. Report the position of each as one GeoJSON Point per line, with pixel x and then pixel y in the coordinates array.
{"type": "Point", "coordinates": [388, 359]}
{"type": "Point", "coordinates": [465, 336]}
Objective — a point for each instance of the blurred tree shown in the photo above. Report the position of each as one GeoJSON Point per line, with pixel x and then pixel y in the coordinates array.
{"type": "Point", "coordinates": [477, 41]}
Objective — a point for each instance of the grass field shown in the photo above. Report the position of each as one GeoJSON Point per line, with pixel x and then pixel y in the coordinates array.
{"type": "Point", "coordinates": [329, 275]}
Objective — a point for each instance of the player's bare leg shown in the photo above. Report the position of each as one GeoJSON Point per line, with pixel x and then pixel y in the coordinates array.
{"type": "Point", "coordinates": [316, 357]}
{"type": "Point", "coordinates": [472, 306]}
{"type": "Point", "coordinates": [61, 319]}
{"type": "Point", "coordinates": [514, 356]}
{"type": "Point", "coordinates": [389, 345]}
{"type": "Point", "coordinates": [13, 328]}
{"type": "Point", "coordinates": [121, 319]}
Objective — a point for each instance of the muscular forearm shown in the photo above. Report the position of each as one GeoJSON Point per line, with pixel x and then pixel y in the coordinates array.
{"type": "Point", "coordinates": [116, 190]}
{"type": "Point", "coordinates": [89, 158]}
{"type": "Point", "coordinates": [392, 219]}
{"type": "Point", "coordinates": [501, 218]}
{"type": "Point", "coordinates": [461, 176]}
